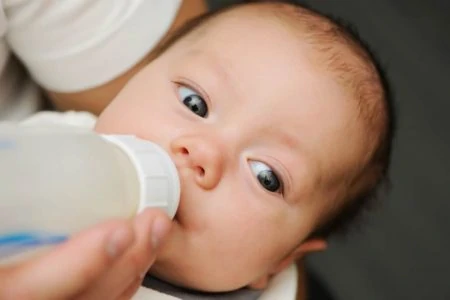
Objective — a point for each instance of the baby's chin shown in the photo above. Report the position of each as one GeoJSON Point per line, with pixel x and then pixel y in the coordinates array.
{"type": "Point", "coordinates": [179, 262]}
{"type": "Point", "coordinates": [192, 278]}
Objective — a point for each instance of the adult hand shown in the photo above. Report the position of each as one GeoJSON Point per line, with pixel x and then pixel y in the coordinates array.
{"type": "Point", "coordinates": [107, 261]}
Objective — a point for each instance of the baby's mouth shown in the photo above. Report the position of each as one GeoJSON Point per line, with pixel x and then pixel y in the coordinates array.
{"type": "Point", "coordinates": [176, 217]}
{"type": "Point", "coordinates": [184, 177]}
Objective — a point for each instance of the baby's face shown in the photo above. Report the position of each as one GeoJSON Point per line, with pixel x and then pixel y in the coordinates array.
{"type": "Point", "coordinates": [255, 131]}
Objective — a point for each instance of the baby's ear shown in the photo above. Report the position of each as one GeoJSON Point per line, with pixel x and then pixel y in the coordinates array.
{"type": "Point", "coordinates": [309, 246]}
{"type": "Point", "coordinates": [312, 245]}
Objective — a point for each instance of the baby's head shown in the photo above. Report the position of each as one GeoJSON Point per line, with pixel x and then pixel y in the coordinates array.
{"type": "Point", "coordinates": [278, 122]}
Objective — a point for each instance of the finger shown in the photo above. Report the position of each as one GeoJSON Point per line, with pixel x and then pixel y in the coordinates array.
{"type": "Point", "coordinates": [73, 266]}
{"type": "Point", "coordinates": [150, 227]}
{"type": "Point", "coordinates": [131, 290]}
{"type": "Point", "coordinates": [149, 242]}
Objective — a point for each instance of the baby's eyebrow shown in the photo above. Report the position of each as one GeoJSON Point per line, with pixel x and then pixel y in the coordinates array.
{"type": "Point", "coordinates": [215, 63]}
{"type": "Point", "coordinates": [289, 139]}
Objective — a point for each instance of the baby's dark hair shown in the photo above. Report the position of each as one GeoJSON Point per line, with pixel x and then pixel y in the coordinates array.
{"type": "Point", "coordinates": [344, 54]}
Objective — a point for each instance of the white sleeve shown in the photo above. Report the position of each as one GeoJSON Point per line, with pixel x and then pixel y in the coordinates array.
{"type": "Point", "coordinates": [81, 120]}
{"type": "Point", "coordinates": [74, 45]}
{"type": "Point", "coordinates": [144, 293]}
{"type": "Point", "coordinates": [2, 21]}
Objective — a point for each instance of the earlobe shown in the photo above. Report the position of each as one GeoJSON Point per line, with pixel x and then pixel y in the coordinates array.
{"type": "Point", "coordinates": [309, 246]}
{"type": "Point", "coordinates": [312, 245]}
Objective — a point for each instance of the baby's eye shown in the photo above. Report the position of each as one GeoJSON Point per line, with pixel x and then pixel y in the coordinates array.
{"type": "Point", "coordinates": [266, 176]}
{"type": "Point", "coordinates": [193, 101]}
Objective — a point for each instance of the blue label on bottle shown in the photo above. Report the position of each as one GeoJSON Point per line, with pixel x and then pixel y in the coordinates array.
{"type": "Point", "coordinates": [17, 242]}
{"type": "Point", "coordinates": [7, 144]}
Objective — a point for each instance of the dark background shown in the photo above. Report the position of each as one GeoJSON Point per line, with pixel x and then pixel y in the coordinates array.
{"type": "Point", "coordinates": [403, 250]}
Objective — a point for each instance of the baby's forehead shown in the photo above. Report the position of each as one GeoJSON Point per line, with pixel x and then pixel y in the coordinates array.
{"type": "Point", "coordinates": [250, 44]}
{"type": "Point", "coordinates": [250, 30]}
{"type": "Point", "coordinates": [241, 21]}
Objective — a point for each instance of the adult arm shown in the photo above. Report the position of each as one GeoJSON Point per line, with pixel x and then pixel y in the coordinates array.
{"type": "Point", "coordinates": [83, 54]}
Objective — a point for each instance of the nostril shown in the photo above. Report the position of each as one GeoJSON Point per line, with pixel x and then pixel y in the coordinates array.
{"type": "Point", "coordinates": [184, 151]}
{"type": "Point", "coordinates": [200, 171]}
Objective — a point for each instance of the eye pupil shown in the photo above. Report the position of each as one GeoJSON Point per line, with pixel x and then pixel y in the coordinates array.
{"type": "Point", "coordinates": [196, 104]}
{"type": "Point", "coordinates": [269, 180]}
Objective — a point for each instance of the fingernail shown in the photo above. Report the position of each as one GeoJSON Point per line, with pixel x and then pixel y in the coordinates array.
{"type": "Point", "coordinates": [119, 241]}
{"type": "Point", "coordinates": [160, 228]}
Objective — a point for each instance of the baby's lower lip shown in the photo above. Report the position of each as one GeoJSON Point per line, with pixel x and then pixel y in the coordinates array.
{"type": "Point", "coordinates": [176, 217]}
{"type": "Point", "coordinates": [176, 220]}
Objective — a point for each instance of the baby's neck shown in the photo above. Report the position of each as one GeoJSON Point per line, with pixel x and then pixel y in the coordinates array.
{"type": "Point", "coordinates": [167, 288]}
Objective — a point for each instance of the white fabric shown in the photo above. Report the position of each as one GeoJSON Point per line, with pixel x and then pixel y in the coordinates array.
{"type": "Point", "coordinates": [19, 97]}
{"type": "Point", "coordinates": [83, 120]}
{"type": "Point", "coordinates": [144, 293]}
{"type": "Point", "coordinates": [74, 45]}
{"type": "Point", "coordinates": [283, 286]}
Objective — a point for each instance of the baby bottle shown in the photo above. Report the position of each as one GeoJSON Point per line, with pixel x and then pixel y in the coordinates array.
{"type": "Point", "coordinates": [57, 181]}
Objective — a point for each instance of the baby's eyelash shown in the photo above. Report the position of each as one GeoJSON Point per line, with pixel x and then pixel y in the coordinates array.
{"type": "Point", "coordinates": [193, 86]}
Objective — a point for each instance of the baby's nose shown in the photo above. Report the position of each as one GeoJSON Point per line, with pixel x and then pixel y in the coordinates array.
{"type": "Point", "coordinates": [203, 156]}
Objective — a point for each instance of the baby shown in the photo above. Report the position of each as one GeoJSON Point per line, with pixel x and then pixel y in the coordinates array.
{"type": "Point", "coordinates": [280, 126]}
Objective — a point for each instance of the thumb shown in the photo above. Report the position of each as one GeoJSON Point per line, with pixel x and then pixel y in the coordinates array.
{"type": "Point", "coordinates": [71, 267]}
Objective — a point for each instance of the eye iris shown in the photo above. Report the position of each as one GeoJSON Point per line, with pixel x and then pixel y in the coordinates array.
{"type": "Point", "coordinates": [269, 180]}
{"type": "Point", "coordinates": [196, 105]}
